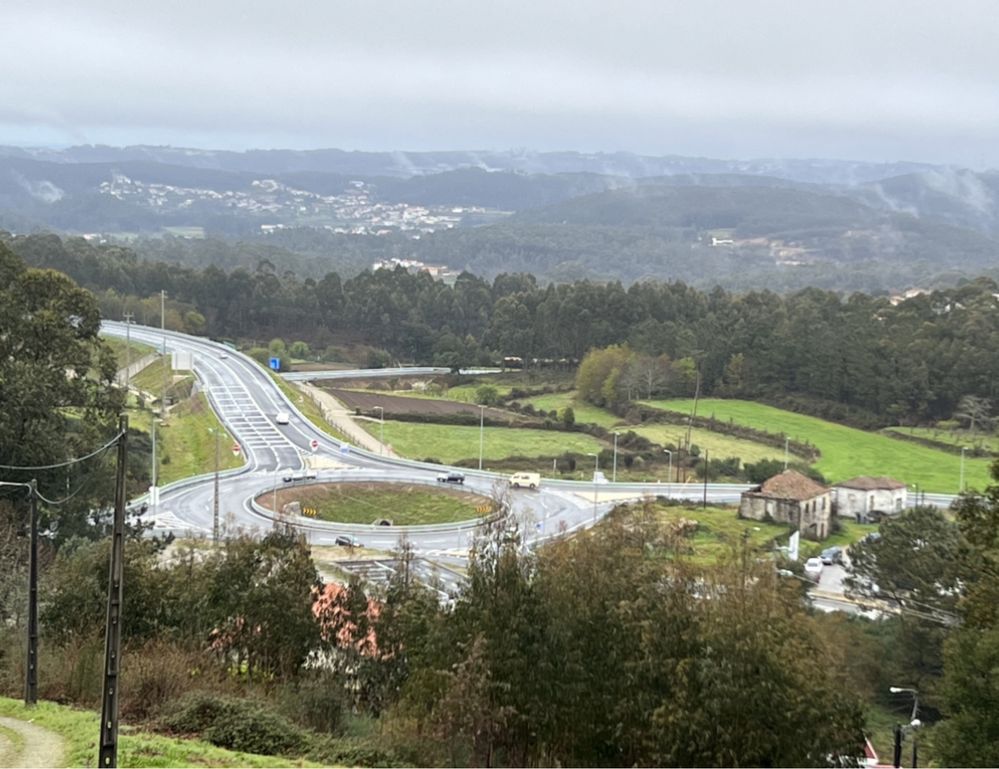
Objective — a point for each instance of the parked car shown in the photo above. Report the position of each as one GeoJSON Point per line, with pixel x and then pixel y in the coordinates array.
{"type": "Point", "coordinates": [832, 555]}
{"type": "Point", "coordinates": [813, 569]}
{"type": "Point", "coordinates": [451, 477]}
{"type": "Point", "coordinates": [347, 541]}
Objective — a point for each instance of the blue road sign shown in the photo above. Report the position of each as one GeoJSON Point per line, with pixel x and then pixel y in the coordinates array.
{"type": "Point", "coordinates": [275, 364]}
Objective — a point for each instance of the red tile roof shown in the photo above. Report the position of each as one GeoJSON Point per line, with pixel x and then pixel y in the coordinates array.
{"type": "Point", "coordinates": [791, 484]}
{"type": "Point", "coordinates": [871, 483]}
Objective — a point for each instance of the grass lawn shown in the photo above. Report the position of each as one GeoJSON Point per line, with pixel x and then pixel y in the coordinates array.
{"type": "Point", "coordinates": [720, 530]}
{"type": "Point", "coordinates": [719, 445]}
{"type": "Point", "coordinates": [449, 443]}
{"type": "Point", "coordinates": [185, 440]}
{"type": "Point", "coordinates": [583, 411]}
{"type": "Point", "coordinates": [80, 729]}
{"type": "Point", "coordinates": [955, 438]}
{"type": "Point", "coordinates": [846, 451]}
{"type": "Point", "coordinates": [403, 504]}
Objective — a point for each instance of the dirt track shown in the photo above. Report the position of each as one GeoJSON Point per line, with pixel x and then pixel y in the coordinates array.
{"type": "Point", "coordinates": [38, 746]}
{"type": "Point", "coordinates": [400, 404]}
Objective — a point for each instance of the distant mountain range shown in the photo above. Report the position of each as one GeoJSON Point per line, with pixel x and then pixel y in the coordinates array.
{"type": "Point", "coordinates": [559, 214]}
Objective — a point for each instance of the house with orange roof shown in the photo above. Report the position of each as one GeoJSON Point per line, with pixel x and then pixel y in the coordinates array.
{"type": "Point", "coordinates": [791, 498]}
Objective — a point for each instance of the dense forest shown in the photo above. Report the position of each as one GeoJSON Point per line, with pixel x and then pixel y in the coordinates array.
{"type": "Point", "coordinates": [857, 356]}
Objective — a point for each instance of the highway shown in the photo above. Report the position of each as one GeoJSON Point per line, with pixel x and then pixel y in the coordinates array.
{"type": "Point", "coordinates": [246, 399]}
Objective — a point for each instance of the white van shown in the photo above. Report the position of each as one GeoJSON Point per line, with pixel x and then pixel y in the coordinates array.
{"type": "Point", "coordinates": [282, 417]}
{"type": "Point", "coordinates": [529, 480]}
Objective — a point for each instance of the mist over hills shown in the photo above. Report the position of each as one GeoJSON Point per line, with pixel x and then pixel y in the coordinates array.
{"type": "Point", "coordinates": [560, 215]}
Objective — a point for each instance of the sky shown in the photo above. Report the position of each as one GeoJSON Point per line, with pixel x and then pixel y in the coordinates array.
{"type": "Point", "coordinates": [877, 80]}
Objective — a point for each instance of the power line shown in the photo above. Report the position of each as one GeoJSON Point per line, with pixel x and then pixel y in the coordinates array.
{"type": "Point", "coordinates": [68, 462]}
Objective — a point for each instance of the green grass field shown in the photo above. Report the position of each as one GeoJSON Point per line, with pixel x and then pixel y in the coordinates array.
{"type": "Point", "coordinates": [403, 504]}
{"type": "Point", "coordinates": [720, 530]}
{"type": "Point", "coordinates": [956, 438]}
{"type": "Point", "coordinates": [80, 730]}
{"type": "Point", "coordinates": [151, 378]}
{"type": "Point", "coordinates": [449, 443]}
{"type": "Point", "coordinates": [719, 445]}
{"type": "Point", "coordinates": [846, 451]}
{"type": "Point", "coordinates": [583, 411]}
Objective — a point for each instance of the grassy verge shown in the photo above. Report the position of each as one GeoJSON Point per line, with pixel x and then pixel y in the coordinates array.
{"type": "Point", "coordinates": [151, 378]}
{"type": "Point", "coordinates": [846, 451]}
{"type": "Point", "coordinates": [80, 730]}
{"type": "Point", "coordinates": [584, 412]}
{"type": "Point", "coordinates": [120, 349]}
{"type": "Point", "coordinates": [186, 442]}
{"type": "Point", "coordinates": [307, 406]}
{"type": "Point", "coordinates": [450, 443]}
{"type": "Point", "coordinates": [403, 504]}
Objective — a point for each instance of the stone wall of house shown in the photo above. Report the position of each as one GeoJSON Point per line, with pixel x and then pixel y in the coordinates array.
{"type": "Point", "coordinates": [812, 516]}
{"type": "Point", "coordinates": [859, 503]}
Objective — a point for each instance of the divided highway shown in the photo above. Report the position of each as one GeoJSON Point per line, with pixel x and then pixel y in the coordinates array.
{"type": "Point", "coordinates": [247, 399]}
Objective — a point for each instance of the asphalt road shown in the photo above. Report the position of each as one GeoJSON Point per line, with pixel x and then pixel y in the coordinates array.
{"type": "Point", "coordinates": [246, 399]}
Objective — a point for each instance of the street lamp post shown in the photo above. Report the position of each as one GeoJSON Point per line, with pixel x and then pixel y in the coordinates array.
{"type": "Point", "coordinates": [482, 417]}
{"type": "Point", "coordinates": [381, 430]}
{"type": "Point", "coordinates": [960, 485]}
{"type": "Point", "coordinates": [596, 469]}
{"type": "Point", "coordinates": [669, 473]}
{"type": "Point", "coordinates": [614, 474]}
{"type": "Point", "coordinates": [900, 730]}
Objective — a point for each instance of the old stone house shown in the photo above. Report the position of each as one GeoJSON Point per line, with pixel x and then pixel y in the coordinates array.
{"type": "Point", "coordinates": [866, 498]}
{"type": "Point", "coordinates": [791, 498]}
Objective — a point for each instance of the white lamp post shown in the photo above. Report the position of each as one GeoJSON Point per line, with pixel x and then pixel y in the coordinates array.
{"type": "Point", "coordinates": [381, 430]}
{"type": "Point", "coordinates": [614, 473]}
{"type": "Point", "coordinates": [482, 415]}
{"type": "Point", "coordinates": [960, 485]}
{"type": "Point", "coordinates": [596, 469]}
{"type": "Point", "coordinates": [669, 473]}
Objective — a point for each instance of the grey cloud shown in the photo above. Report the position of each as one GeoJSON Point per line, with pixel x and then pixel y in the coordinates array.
{"type": "Point", "coordinates": [870, 80]}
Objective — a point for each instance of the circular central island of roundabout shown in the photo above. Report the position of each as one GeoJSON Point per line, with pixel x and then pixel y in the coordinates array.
{"type": "Point", "coordinates": [377, 503]}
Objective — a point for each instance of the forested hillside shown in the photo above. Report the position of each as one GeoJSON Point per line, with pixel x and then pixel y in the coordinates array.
{"type": "Point", "coordinates": [858, 357]}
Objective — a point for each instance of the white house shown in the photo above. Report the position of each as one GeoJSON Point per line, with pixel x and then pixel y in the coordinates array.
{"type": "Point", "coordinates": [866, 498]}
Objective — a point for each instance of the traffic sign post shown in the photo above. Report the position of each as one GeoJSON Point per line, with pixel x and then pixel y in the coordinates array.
{"type": "Point", "coordinates": [235, 449]}
{"type": "Point", "coordinates": [314, 444]}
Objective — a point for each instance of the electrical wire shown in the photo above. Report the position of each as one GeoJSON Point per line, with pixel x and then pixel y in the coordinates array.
{"type": "Point", "coordinates": [64, 500]}
{"type": "Point", "coordinates": [68, 462]}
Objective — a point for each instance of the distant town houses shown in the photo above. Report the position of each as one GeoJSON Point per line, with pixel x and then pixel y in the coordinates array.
{"type": "Point", "coordinates": [867, 498]}
{"type": "Point", "coordinates": [791, 498]}
{"type": "Point", "coordinates": [439, 272]}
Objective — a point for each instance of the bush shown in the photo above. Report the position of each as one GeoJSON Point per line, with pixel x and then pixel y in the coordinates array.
{"type": "Point", "coordinates": [155, 674]}
{"type": "Point", "coordinates": [358, 751]}
{"type": "Point", "coordinates": [317, 703]}
{"type": "Point", "coordinates": [236, 724]}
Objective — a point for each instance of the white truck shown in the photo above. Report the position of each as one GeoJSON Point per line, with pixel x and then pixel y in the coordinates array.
{"type": "Point", "coordinates": [525, 480]}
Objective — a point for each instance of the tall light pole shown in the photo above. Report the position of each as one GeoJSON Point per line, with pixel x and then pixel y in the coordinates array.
{"type": "Point", "coordinates": [215, 502]}
{"type": "Point", "coordinates": [912, 726]}
{"type": "Point", "coordinates": [381, 430]}
{"type": "Point", "coordinates": [482, 418]}
{"type": "Point", "coordinates": [614, 473]}
{"type": "Point", "coordinates": [596, 469]}
{"type": "Point", "coordinates": [669, 473]}
{"type": "Point", "coordinates": [960, 485]}
{"type": "Point", "coordinates": [786, 439]}
{"type": "Point", "coordinates": [128, 349]}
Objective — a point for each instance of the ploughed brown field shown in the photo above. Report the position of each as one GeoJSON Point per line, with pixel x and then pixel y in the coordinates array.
{"type": "Point", "coordinates": [400, 404]}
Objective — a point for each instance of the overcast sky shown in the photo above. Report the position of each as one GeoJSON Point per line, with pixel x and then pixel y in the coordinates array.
{"type": "Point", "coordinates": [866, 79]}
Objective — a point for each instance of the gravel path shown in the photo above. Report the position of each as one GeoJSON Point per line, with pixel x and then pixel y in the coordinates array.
{"type": "Point", "coordinates": [40, 747]}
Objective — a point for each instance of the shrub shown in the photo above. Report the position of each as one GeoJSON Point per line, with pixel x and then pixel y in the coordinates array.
{"type": "Point", "coordinates": [355, 751]}
{"type": "Point", "coordinates": [236, 724]}
{"type": "Point", "coordinates": [317, 703]}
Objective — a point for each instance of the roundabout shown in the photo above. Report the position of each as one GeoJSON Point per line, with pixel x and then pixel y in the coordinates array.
{"type": "Point", "coordinates": [378, 503]}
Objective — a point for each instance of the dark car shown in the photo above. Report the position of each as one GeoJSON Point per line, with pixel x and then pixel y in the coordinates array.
{"type": "Point", "coordinates": [832, 555]}
{"type": "Point", "coordinates": [451, 477]}
{"type": "Point", "coordinates": [346, 541]}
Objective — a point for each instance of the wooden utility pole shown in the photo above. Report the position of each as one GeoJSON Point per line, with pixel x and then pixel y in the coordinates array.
{"type": "Point", "coordinates": [31, 668]}
{"type": "Point", "coordinates": [108, 755]}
